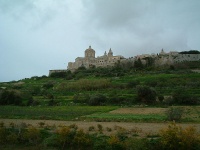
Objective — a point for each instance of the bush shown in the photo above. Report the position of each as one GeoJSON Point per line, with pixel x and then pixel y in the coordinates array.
{"type": "Point", "coordinates": [181, 96]}
{"type": "Point", "coordinates": [146, 94]}
{"type": "Point", "coordinates": [174, 113]}
{"type": "Point", "coordinates": [136, 144]}
{"type": "Point", "coordinates": [70, 137]}
{"type": "Point", "coordinates": [3, 135]}
{"type": "Point", "coordinates": [36, 90]}
{"type": "Point", "coordinates": [48, 85]}
{"type": "Point", "coordinates": [81, 98]}
{"type": "Point", "coordinates": [33, 136]}
{"type": "Point", "coordinates": [168, 100]}
{"type": "Point", "coordinates": [100, 128]}
{"type": "Point", "coordinates": [100, 142]}
{"type": "Point", "coordinates": [115, 143]}
{"type": "Point", "coordinates": [174, 137]}
{"type": "Point", "coordinates": [160, 98]}
{"type": "Point", "coordinates": [82, 141]}
{"type": "Point", "coordinates": [10, 97]}
{"type": "Point", "coordinates": [91, 128]}
{"type": "Point", "coordinates": [64, 136]}
{"type": "Point", "coordinates": [98, 99]}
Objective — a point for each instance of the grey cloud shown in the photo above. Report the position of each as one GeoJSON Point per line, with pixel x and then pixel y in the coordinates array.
{"type": "Point", "coordinates": [33, 13]}
{"type": "Point", "coordinates": [39, 35]}
{"type": "Point", "coordinates": [114, 13]}
{"type": "Point", "coordinates": [147, 25]}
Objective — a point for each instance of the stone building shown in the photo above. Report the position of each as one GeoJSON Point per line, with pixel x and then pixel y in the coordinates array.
{"type": "Point", "coordinates": [173, 57]}
{"type": "Point", "coordinates": [90, 60]}
{"type": "Point", "coordinates": [108, 60]}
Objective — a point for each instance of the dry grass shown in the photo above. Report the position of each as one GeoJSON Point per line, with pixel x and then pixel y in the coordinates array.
{"type": "Point", "coordinates": [142, 111]}
{"type": "Point", "coordinates": [144, 128]}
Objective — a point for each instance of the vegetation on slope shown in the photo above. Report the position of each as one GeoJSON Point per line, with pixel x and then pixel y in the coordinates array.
{"type": "Point", "coordinates": [98, 87]}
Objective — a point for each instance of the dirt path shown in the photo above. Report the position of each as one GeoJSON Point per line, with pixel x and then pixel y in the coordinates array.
{"type": "Point", "coordinates": [145, 128]}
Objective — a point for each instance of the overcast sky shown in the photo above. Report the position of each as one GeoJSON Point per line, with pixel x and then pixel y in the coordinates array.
{"type": "Point", "coordinates": [39, 35]}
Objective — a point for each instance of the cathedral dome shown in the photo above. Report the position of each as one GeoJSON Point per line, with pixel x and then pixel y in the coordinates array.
{"type": "Point", "coordinates": [89, 53]}
{"type": "Point", "coordinates": [90, 49]}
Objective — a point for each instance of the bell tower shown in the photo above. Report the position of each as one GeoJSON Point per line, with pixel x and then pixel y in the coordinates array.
{"type": "Point", "coordinates": [110, 53]}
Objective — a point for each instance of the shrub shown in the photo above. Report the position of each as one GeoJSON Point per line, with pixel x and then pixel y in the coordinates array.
{"type": "Point", "coordinates": [81, 98]}
{"type": "Point", "coordinates": [146, 94]}
{"type": "Point", "coordinates": [36, 90]}
{"type": "Point", "coordinates": [100, 128]}
{"type": "Point", "coordinates": [160, 98]}
{"type": "Point", "coordinates": [3, 135]}
{"type": "Point", "coordinates": [100, 142]}
{"type": "Point", "coordinates": [64, 136]}
{"type": "Point", "coordinates": [168, 100]}
{"type": "Point", "coordinates": [73, 126]}
{"type": "Point", "coordinates": [12, 138]}
{"type": "Point", "coordinates": [136, 144]}
{"type": "Point", "coordinates": [98, 99]}
{"type": "Point", "coordinates": [51, 141]}
{"type": "Point", "coordinates": [174, 113]}
{"type": "Point", "coordinates": [91, 128]}
{"type": "Point", "coordinates": [35, 103]}
{"type": "Point", "coordinates": [32, 135]}
{"type": "Point", "coordinates": [181, 96]}
{"type": "Point", "coordinates": [138, 64]}
{"type": "Point", "coordinates": [82, 141]}
{"type": "Point", "coordinates": [48, 85]}
{"type": "Point", "coordinates": [41, 124]}
{"type": "Point", "coordinates": [115, 143]}
{"type": "Point", "coordinates": [174, 137]}
{"type": "Point", "coordinates": [10, 97]}
{"type": "Point", "coordinates": [122, 134]}
{"type": "Point", "coordinates": [71, 138]}
{"type": "Point", "coordinates": [108, 129]}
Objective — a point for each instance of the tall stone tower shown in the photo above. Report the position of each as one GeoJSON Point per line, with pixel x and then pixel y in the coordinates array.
{"type": "Point", "coordinates": [110, 53]}
{"type": "Point", "coordinates": [89, 53]}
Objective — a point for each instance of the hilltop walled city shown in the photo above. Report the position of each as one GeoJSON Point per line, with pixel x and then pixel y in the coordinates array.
{"type": "Point", "coordinates": [109, 60]}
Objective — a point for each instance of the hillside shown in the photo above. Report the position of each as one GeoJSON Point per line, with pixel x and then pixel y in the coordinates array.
{"type": "Point", "coordinates": [105, 87]}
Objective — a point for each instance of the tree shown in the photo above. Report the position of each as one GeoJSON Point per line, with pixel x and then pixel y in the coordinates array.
{"type": "Point", "coordinates": [149, 61]}
{"type": "Point", "coordinates": [138, 64]}
{"type": "Point", "coordinates": [9, 97]}
{"type": "Point", "coordinates": [146, 94]}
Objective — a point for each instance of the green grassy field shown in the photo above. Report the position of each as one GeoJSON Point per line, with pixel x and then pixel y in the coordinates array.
{"type": "Point", "coordinates": [54, 113]}
{"type": "Point", "coordinates": [95, 113]}
{"type": "Point", "coordinates": [127, 117]}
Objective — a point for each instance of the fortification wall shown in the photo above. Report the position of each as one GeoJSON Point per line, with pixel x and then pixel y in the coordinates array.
{"type": "Point", "coordinates": [107, 60]}
{"type": "Point", "coordinates": [187, 57]}
{"type": "Point", "coordinates": [56, 71]}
